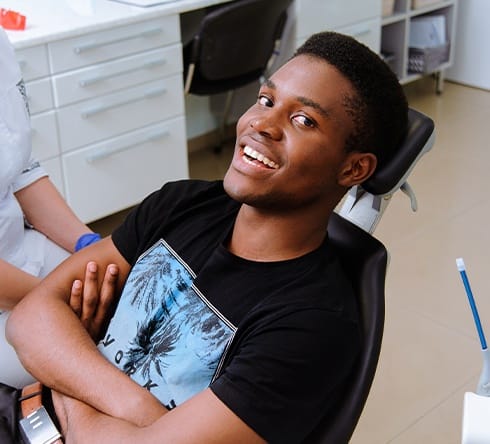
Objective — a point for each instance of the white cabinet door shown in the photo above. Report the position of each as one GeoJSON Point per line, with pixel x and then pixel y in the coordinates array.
{"type": "Point", "coordinates": [39, 95]}
{"type": "Point", "coordinates": [110, 176]}
{"type": "Point", "coordinates": [97, 47]}
{"type": "Point", "coordinates": [367, 32]}
{"type": "Point", "coordinates": [107, 116]}
{"type": "Point", "coordinates": [124, 72]}
{"type": "Point", "coordinates": [326, 15]}
{"type": "Point", "coordinates": [33, 62]}
{"type": "Point", "coordinates": [45, 135]}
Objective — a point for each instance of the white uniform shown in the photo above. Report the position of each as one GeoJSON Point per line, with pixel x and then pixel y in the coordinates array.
{"type": "Point", "coordinates": [23, 247]}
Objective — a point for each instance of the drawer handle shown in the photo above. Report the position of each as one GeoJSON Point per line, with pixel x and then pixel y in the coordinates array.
{"type": "Point", "coordinates": [94, 45]}
{"type": "Point", "coordinates": [100, 109]}
{"type": "Point", "coordinates": [104, 153]}
{"type": "Point", "coordinates": [87, 82]}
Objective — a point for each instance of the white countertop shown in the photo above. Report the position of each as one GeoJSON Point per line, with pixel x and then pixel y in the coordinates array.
{"type": "Point", "coordinates": [48, 20]}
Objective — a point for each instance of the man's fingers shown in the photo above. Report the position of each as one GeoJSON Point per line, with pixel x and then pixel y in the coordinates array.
{"type": "Point", "coordinates": [76, 297]}
{"type": "Point", "coordinates": [107, 296]}
{"type": "Point", "coordinates": [90, 293]}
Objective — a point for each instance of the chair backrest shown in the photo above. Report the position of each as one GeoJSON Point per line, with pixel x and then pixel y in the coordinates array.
{"type": "Point", "coordinates": [234, 44]}
{"type": "Point", "coordinates": [418, 140]}
{"type": "Point", "coordinates": [364, 260]}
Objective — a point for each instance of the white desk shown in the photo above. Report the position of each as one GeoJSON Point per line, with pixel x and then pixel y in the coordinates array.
{"type": "Point", "coordinates": [104, 81]}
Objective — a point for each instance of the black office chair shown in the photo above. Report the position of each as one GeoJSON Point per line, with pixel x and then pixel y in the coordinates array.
{"type": "Point", "coordinates": [365, 259]}
{"type": "Point", "coordinates": [233, 47]}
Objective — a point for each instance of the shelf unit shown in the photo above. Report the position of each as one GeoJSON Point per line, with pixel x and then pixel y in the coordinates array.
{"type": "Point", "coordinates": [395, 36]}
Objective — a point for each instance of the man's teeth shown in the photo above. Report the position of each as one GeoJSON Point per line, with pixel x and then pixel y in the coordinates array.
{"type": "Point", "coordinates": [260, 157]}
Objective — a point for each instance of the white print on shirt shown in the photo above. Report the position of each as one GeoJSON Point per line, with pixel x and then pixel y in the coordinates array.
{"type": "Point", "coordinates": [165, 335]}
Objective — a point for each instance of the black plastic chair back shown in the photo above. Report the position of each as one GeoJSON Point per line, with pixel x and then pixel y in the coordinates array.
{"type": "Point", "coordinates": [234, 44]}
{"type": "Point", "coordinates": [364, 260]}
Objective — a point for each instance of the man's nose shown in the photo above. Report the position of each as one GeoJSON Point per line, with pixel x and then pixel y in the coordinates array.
{"type": "Point", "coordinates": [267, 126]}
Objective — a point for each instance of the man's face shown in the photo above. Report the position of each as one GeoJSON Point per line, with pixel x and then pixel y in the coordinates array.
{"type": "Point", "coordinates": [289, 151]}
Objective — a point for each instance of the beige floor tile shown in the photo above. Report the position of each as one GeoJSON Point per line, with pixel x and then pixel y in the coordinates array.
{"type": "Point", "coordinates": [421, 364]}
{"type": "Point", "coordinates": [442, 425]}
{"type": "Point", "coordinates": [422, 275]}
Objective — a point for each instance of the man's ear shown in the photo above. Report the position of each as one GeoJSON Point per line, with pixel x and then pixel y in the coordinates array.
{"type": "Point", "coordinates": [357, 168]}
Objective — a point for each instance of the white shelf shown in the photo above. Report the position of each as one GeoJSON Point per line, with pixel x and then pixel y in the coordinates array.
{"type": "Point", "coordinates": [395, 36]}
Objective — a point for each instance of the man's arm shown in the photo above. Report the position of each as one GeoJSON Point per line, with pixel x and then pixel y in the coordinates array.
{"type": "Point", "coordinates": [56, 349]}
{"type": "Point", "coordinates": [47, 211]}
{"type": "Point", "coordinates": [203, 419]}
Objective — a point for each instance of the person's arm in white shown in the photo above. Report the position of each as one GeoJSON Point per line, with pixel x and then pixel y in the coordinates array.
{"type": "Point", "coordinates": [46, 210]}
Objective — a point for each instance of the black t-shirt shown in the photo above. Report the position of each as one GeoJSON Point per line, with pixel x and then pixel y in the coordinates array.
{"type": "Point", "coordinates": [274, 341]}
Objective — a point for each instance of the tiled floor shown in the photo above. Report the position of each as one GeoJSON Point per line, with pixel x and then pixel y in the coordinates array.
{"type": "Point", "coordinates": [430, 354]}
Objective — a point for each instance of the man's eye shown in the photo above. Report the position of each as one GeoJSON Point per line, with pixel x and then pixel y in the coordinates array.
{"type": "Point", "coordinates": [264, 101]}
{"type": "Point", "coordinates": [305, 121]}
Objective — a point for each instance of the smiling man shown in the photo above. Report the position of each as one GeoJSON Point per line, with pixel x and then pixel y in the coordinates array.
{"type": "Point", "coordinates": [235, 321]}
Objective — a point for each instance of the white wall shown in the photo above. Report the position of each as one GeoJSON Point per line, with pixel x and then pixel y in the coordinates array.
{"type": "Point", "coordinates": [472, 53]}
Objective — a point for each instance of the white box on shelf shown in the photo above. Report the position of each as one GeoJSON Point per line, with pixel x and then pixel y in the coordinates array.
{"type": "Point", "coordinates": [428, 31]}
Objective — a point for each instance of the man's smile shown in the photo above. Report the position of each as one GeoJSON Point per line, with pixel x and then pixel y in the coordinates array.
{"type": "Point", "coordinates": [252, 156]}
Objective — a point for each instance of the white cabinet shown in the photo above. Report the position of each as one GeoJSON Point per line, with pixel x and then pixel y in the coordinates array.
{"type": "Point", "coordinates": [388, 35]}
{"type": "Point", "coordinates": [361, 19]}
{"type": "Point", "coordinates": [107, 113]}
{"type": "Point", "coordinates": [395, 36]}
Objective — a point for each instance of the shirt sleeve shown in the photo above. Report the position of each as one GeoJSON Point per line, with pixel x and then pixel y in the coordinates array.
{"type": "Point", "coordinates": [33, 171]}
{"type": "Point", "coordinates": [290, 373]}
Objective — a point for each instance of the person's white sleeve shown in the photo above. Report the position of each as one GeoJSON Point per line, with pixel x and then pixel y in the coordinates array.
{"type": "Point", "coordinates": [30, 174]}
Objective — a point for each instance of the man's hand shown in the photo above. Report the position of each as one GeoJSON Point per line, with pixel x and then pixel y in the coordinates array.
{"type": "Point", "coordinates": [93, 305]}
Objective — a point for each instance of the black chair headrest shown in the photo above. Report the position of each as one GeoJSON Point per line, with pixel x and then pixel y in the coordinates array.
{"type": "Point", "coordinates": [395, 171]}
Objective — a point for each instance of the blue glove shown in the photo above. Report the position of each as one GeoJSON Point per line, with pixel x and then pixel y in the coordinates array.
{"type": "Point", "coordinates": [86, 239]}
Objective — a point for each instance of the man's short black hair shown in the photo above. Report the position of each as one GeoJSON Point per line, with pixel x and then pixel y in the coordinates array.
{"type": "Point", "coordinates": [380, 109]}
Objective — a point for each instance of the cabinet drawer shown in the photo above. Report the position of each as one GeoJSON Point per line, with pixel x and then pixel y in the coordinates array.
{"type": "Point", "coordinates": [367, 32]}
{"type": "Point", "coordinates": [45, 135]}
{"type": "Point", "coordinates": [121, 172]}
{"type": "Point", "coordinates": [111, 76]}
{"type": "Point", "coordinates": [33, 62]}
{"type": "Point", "coordinates": [106, 116]}
{"type": "Point", "coordinates": [325, 15]}
{"type": "Point", "coordinates": [39, 95]}
{"type": "Point", "coordinates": [117, 42]}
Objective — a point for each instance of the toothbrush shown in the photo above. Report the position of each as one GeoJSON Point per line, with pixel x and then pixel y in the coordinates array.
{"type": "Point", "coordinates": [483, 387]}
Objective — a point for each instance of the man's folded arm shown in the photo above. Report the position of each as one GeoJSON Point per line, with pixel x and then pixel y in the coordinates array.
{"type": "Point", "coordinates": [204, 419]}
{"type": "Point", "coordinates": [56, 349]}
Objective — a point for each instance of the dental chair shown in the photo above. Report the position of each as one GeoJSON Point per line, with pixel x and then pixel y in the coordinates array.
{"type": "Point", "coordinates": [365, 261]}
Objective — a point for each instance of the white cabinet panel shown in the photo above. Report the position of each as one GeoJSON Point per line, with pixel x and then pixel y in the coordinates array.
{"type": "Point", "coordinates": [45, 135]}
{"type": "Point", "coordinates": [39, 95]}
{"type": "Point", "coordinates": [33, 62]}
{"type": "Point", "coordinates": [113, 114]}
{"type": "Point", "coordinates": [104, 78]}
{"type": "Point", "coordinates": [367, 32]}
{"type": "Point", "coordinates": [101, 46]}
{"type": "Point", "coordinates": [126, 168]}
{"type": "Point", "coordinates": [324, 15]}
